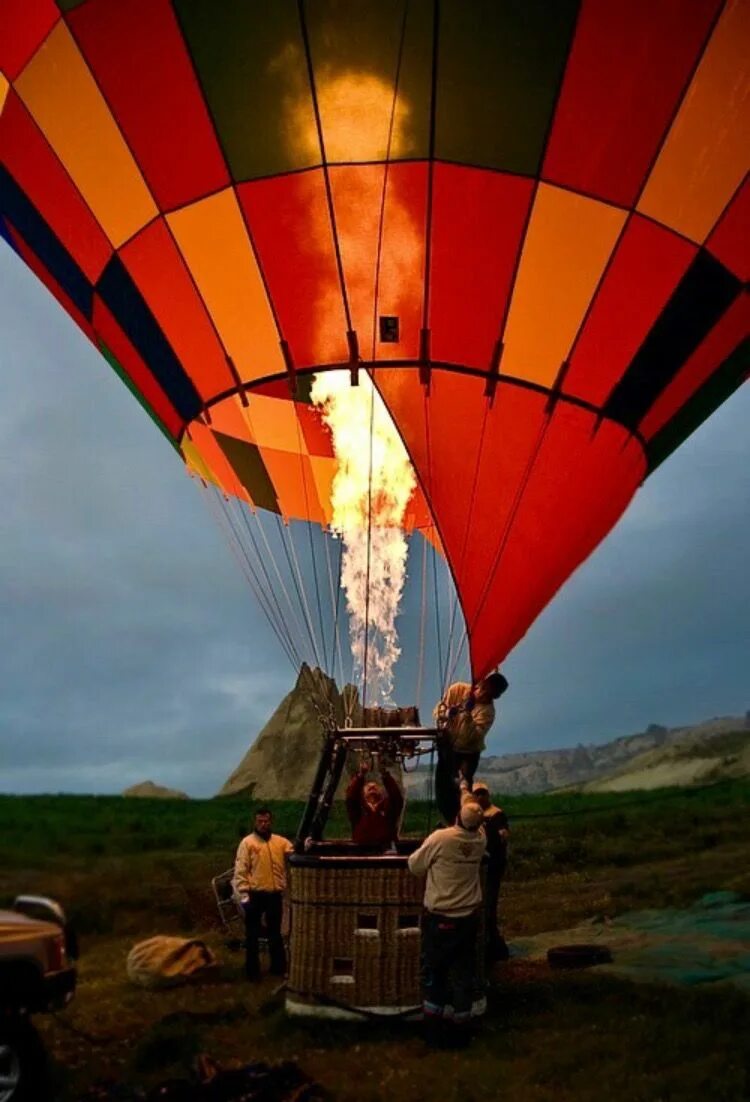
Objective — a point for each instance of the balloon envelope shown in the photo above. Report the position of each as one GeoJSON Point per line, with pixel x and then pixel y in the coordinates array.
{"type": "Point", "coordinates": [529, 222]}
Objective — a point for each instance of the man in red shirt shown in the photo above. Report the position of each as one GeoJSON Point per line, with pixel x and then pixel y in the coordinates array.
{"type": "Point", "coordinates": [374, 810]}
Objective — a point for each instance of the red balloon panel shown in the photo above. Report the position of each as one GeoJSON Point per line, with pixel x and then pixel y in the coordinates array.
{"type": "Point", "coordinates": [31, 161]}
{"type": "Point", "coordinates": [31, 20]}
{"type": "Point", "coordinates": [579, 485]}
{"type": "Point", "coordinates": [648, 265]}
{"type": "Point", "coordinates": [290, 226]}
{"type": "Point", "coordinates": [379, 217]}
{"type": "Point", "coordinates": [478, 221]}
{"type": "Point", "coordinates": [629, 62]}
{"type": "Point", "coordinates": [162, 113]}
{"type": "Point", "coordinates": [730, 241]}
{"type": "Point", "coordinates": [161, 275]}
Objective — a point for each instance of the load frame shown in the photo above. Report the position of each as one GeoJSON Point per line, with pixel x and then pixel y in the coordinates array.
{"type": "Point", "coordinates": [356, 913]}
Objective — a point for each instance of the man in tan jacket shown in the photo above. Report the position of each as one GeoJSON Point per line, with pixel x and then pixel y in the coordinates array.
{"type": "Point", "coordinates": [259, 884]}
{"type": "Point", "coordinates": [464, 716]}
{"type": "Point", "coordinates": [450, 859]}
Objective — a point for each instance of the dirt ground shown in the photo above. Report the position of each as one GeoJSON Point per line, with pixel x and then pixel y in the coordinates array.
{"type": "Point", "coordinates": [126, 870]}
{"type": "Point", "coordinates": [547, 1035]}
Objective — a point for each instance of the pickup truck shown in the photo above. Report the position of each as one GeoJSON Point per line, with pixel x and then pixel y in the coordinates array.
{"type": "Point", "coordinates": [37, 973]}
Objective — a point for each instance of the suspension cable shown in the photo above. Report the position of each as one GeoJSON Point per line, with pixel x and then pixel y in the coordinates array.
{"type": "Point", "coordinates": [217, 506]}
{"type": "Point", "coordinates": [287, 543]}
{"type": "Point", "coordinates": [422, 622]}
{"type": "Point", "coordinates": [438, 633]}
{"type": "Point", "coordinates": [313, 558]}
{"type": "Point", "coordinates": [369, 551]}
{"type": "Point", "coordinates": [261, 559]}
{"type": "Point", "coordinates": [335, 595]}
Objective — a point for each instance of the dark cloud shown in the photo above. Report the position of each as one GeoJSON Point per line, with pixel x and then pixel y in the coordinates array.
{"type": "Point", "coordinates": [132, 647]}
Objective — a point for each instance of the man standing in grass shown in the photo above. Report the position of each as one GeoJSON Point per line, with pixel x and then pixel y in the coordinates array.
{"type": "Point", "coordinates": [450, 859]}
{"type": "Point", "coordinates": [259, 884]}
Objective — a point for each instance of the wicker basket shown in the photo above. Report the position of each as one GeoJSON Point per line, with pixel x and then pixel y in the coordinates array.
{"type": "Point", "coordinates": [355, 932]}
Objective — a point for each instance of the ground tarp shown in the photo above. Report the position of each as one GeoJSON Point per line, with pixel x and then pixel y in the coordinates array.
{"type": "Point", "coordinates": [706, 943]}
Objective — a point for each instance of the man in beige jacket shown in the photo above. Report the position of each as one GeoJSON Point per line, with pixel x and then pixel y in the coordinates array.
{"type": "Point", "coordinates": [449, 860]}
{"type": "Point", "coordinates": [464, 716]}
{"type": "Point", "coordinates": [259, 884]}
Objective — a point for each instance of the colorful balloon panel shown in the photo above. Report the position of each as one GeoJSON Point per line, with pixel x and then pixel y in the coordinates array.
{"type": "Point", "coordinates": [529, 222]}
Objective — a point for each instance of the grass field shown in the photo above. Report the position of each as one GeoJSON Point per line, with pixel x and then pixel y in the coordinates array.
{"type": "Point", "coordinates": [128, 868]}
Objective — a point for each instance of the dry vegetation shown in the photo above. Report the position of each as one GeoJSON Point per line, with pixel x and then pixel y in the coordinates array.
{"type": "Point", "coordinates": [129, 869]}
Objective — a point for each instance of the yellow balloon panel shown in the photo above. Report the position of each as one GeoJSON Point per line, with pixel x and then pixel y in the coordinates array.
{"type": "Point", "coordinates": [569, 241]}
{"type": "Point", "coordinates": [60, 92]}
{"type": "Point", "coordinates": [702, 164]}
{"type": "Point", "coordinates": [212, 238]}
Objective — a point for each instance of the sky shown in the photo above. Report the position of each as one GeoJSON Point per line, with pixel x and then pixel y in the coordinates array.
{"type": "Point", "coordinates": [132, 648]}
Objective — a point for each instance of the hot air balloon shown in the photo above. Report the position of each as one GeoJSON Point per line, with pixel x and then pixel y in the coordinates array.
{"type": "Point", "coordinates": [507, 240]}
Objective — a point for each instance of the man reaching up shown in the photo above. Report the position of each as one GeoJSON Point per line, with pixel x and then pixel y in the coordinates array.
{"type": "Point", "coordinates": [464, 715]}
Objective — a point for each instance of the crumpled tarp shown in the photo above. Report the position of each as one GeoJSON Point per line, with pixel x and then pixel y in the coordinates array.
{"type": "Point", "coordinates": [708, 942]}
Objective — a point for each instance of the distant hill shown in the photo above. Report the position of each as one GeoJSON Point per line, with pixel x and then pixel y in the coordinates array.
{"type": "Point", "coordinates": [697, 758]}
{"type": "Point", "coordinates": [155, 791]}
{"type": "Point", "coordinates": [545, 770]}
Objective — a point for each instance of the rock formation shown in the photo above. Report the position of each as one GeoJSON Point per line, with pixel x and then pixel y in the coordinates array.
{"type": "Point", "coordinates": [281, 763]}
{"type": "Point", "coordinates": [155, 791]}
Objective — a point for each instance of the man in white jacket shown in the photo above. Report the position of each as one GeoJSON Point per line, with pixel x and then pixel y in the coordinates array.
{"type": "Point", "coordinates": [450, 860]}
{"type": "Point", "coordinates": [259, 884]}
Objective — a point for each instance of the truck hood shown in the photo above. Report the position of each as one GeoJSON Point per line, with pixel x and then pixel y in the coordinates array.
{"type": "Point", "coordinates": [18, 927]}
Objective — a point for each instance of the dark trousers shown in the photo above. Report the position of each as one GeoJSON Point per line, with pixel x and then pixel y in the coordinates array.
{"type": "Point", "coordinates": [448, 964]}
{"type": "Point", "coordinates": [447, 794]}
{"type": "Point", "coordinates": [269, 904]}
{"type": "Point", "coordinates": [496, 949]}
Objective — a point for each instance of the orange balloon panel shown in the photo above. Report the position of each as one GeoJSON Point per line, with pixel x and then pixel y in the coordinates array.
{"type": "Point", "coordinates": [707, 152]}
{"type": "Point", "coordinates": [276, 453]}
{"type": "Point", "coordinates": [568, 243]}
{"type": "Point", "coordinates": [211, 236]}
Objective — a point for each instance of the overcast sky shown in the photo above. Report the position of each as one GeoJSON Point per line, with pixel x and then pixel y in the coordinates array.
{"type": "Point", "coordinates": [132, 648]}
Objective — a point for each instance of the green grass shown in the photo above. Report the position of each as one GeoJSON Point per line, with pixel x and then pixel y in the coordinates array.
{"type": "Point", "coordinates": [122, 865]}
{"type": "Point", "coordinates": [126, 869]}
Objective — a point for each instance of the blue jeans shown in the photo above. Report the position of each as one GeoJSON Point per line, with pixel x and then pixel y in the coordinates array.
{"type": "Point", "coordinates": [448, 963]}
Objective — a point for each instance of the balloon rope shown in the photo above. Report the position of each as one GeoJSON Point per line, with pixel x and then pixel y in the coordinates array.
{"type": "Point", "coordinates": [217, 506]}
{"type": "Point", "coordinates": [299, 630]}
{"type": "Point", "coordinates": [520, 490]}
{"type": "Point", "coordinates": [386, 168]}
{"type": "Point", "coordinates": [376, 296]}
{"type": "Point", "coordinates": [448, 672]}
{"type": "Point", "coordinates": [296, 610]}
{"type": "Point", "coordinates": [369, 550]}
{"type": "Point", "coordinates": [264, 568]}
{"type": "Point", "coordinates": [460, 649]}
{"type": "Point", "coordinates": [324, 160]}
{"type": "Point", "coordinates": [311, 544]}
{"type": "Point", "coordinates": [450, 644]}
{"type": "Point", "coordinates": [438, 632]}
{"type": "Point", "coordinates": [288, 545]}
{"type": "Point", "coordinates": [422, 620]}
{"type": "Point", "coordinates": [335, 595]}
